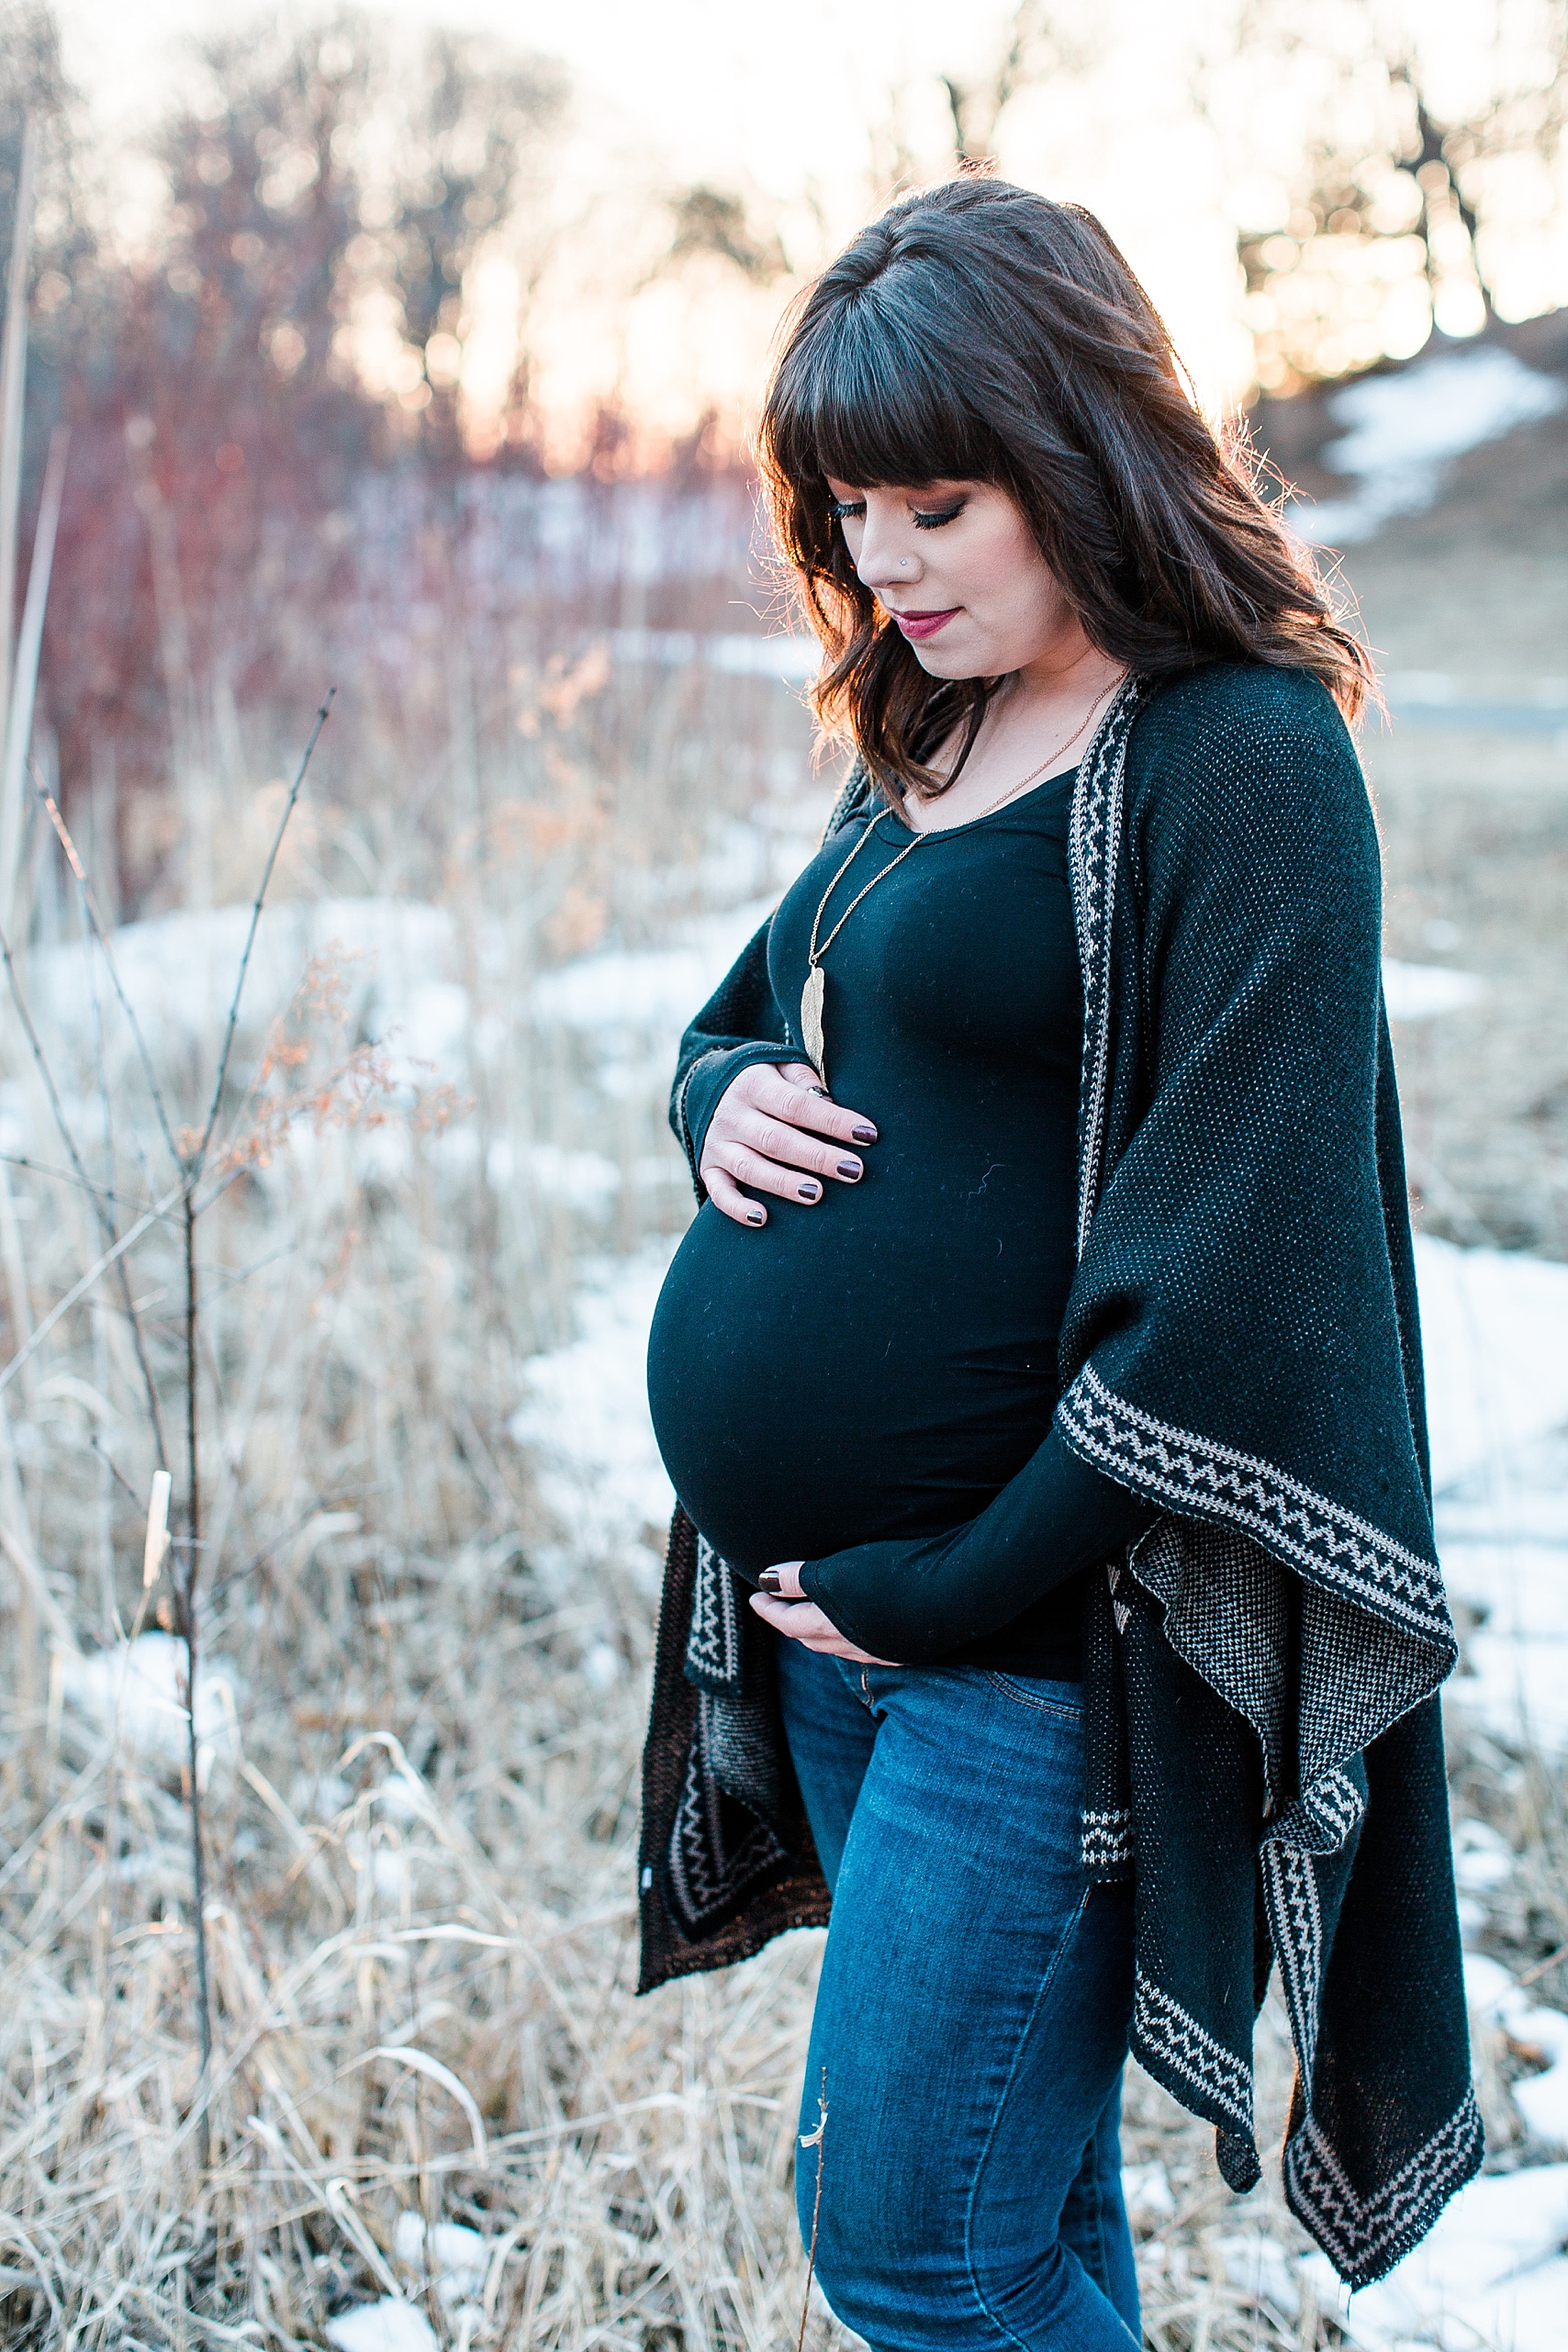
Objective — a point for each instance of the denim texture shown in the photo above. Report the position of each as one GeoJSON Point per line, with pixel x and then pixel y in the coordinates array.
{"type": "Point", "coordinates": [972, 2015]}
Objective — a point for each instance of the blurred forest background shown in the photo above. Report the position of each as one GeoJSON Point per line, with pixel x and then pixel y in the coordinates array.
{"type": "Point", "coordinates": [329, 1512]}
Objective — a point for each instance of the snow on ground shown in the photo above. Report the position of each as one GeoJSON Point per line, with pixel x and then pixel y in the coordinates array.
{"type": "Point", "coordinates": [1493, 2273]}
{"type": "Point", "coordinates": [1492, 2277]}
{"type": "Point", "coordinates": [178, 970]}
{"type": "Point", "coordinates": [584, 1414]}
{"type": "Point", "coordinates": [1419, 991]}
{"type": "Point", "coordinates": [389, 2326]}
{"type": "Point", "coordinates": [136, 1694]}
{"type": "Point", "coordinates": [1405, 428]}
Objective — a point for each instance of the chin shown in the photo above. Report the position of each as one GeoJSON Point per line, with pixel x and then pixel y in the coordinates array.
{"type": "Point", "coordinates": [938, 662]}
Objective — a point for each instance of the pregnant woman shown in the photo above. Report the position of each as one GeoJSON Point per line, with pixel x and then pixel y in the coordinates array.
{"type": "Point", "coordinates": [1053, 1593]}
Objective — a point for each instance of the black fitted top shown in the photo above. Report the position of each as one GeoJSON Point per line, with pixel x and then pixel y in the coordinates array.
{"type": "Point", "coordinates": [883, 1364]}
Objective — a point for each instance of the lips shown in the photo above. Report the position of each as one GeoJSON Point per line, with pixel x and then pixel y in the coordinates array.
{"type": "Point", "coordinates": [926, 624]}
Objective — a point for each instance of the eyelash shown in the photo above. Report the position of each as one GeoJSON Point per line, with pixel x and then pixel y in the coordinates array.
{"type": "Point", "coordinates": [844, 510]}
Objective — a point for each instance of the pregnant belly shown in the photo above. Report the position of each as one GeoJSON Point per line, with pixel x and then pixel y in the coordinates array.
{"type": "Point", "coordinates": [845, 1375]}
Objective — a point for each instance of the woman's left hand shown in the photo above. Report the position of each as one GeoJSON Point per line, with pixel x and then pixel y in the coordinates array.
{"type": "Point", "coordinates": [790, 1613]}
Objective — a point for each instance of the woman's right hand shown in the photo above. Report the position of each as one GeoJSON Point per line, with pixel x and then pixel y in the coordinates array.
{"type": "Point", "coordinates": [767, 1133]}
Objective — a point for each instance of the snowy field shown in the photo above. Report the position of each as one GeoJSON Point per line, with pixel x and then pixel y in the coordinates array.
{"type": "Point", "coordinates": [1496, 1328]}
{"type": "Point", "coordinates": [1494, 2274]}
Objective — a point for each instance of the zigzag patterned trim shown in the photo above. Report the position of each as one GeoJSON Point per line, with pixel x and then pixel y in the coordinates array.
{"type": "Point", "coordinates": [1107, 1839]}
{"type": "Point", "coordinates": [1364, 2238]}
{"type": "Point", "coordinates": [1094, 832]}
{"type": "Point", "coordinates": [1295, 1922]}
{"type": "Point", "coordinates": [1179, 1467]}
{"type": "Point", "coordinates": [708, 1885]}
{"type": "Point", "coordinates": [1323, 1818]}
{"type": "Point", "coordinates": [713, 1644]}
{"type": "Point", "coordinates": [1166, 2038]}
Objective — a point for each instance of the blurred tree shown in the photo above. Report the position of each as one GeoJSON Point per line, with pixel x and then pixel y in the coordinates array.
{"type": "Point", "coordinates": [1037, 42]}
{"type": "Point", "coordinates": [65, 271]}
{"type": "Point", "coordinates": [297, 333]}
{"type": "Point", "coordinates": [1382, 226]}
{"type": "Point", "coordinates": [472, 129]}
{"type": "Point", "coordinates": [63, 286]}
{"type": "Point", "coordinates": [706, 220]}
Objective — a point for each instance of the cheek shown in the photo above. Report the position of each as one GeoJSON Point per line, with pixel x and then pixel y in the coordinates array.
{"type": "Point", "coordinates": [1005, 567]}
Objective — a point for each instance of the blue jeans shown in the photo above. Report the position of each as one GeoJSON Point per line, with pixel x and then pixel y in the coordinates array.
{"type": "Point", "coordinates": [972, 2016]}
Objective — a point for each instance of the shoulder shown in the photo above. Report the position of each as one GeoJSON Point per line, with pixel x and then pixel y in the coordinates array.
{"type": "Point", "coordinates": [1240, 709]}
{"type": "Point", "coordinates": [1238, 755]}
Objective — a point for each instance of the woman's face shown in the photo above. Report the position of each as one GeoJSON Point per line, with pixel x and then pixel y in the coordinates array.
{"type": "Point", "coordinates": [957, 567]}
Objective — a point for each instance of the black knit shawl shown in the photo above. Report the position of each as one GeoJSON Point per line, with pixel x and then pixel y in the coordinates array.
{"type": "Point", "coordinates": [1241, 1348]}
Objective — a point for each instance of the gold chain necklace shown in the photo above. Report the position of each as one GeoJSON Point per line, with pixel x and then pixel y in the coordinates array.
{"type": "Point", "coordinates": [813, 994]}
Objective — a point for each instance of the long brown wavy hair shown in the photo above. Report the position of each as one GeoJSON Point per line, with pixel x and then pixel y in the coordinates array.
{"type": "Point", "coordinates": [980, 333]}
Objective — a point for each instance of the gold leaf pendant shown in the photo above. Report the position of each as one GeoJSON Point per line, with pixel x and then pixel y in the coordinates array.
{"type": "Point", "coordinates": [812, 1021]}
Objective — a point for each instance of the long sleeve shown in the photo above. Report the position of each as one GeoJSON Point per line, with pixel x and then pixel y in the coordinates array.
{"type": "Point", "coordinates": [740, 1024]}
{"type": "Point", "coordinates": [916, 1601]}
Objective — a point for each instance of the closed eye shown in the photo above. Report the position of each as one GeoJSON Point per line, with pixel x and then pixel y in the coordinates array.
{"type": "Point", "coordinates": [933, 522]}
{"type": "Point", "coordinates": [845, 509]}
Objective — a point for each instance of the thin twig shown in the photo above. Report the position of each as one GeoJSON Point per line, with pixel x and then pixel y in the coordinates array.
{"type": "Point", "coordinates": [813, 2140]}
{"type": "Point", "coordinates": [113, 1467]}
{"type": "Point", "coordinates": [189, 1627]}
{"type": "Point", "coordinates": [199, 1155]}
{"type": "Point", "coordinates": [106, 1192]}
{"type": "Point", "coordinates": [105, 1222]}
{"type": "Point", "coordinates": [79, 1290]}
{"type": "Point", "coordinates": [101, 935]}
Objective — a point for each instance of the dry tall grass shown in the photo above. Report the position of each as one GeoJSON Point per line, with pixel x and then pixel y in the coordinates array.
{"type": "Point", "coordinates": [420, 1700]}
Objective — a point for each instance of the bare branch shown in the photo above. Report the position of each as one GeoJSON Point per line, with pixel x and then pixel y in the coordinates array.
{"type": "Point", "coordinates": [105, 1222]}
{"type": "Point", "coordinates": [198, 1157]}
{"type": "Point", "coordinates": [101, 935]}
{"type": "Point", "coordinates": [79, 1290]}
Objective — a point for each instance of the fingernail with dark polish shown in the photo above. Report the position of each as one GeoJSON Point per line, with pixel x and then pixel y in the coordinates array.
{"type": "Point", "coordinates": [810, 1191]}
{"type": "Point", "coordinates": [864, 1135]}
{"type": "Point", "coordinates": [849, 1168]}
{"type": "Point", "coordinates": [757, 1217]}
{"type": "Point", "coordinates": [819, 1090]}
{"type": "Point", "coordinates": [769, 1579]}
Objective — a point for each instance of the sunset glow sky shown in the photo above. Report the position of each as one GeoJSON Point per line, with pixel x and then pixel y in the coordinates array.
{"type": "Point", "coordinates": [799, 107]}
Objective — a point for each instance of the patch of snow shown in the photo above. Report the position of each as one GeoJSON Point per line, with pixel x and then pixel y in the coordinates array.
{"type": "Point", "coordinates": [579, 1178]}
{"type": "Point", "coordinates": [390, 2325]}
{"type": "Point", "coordinates": [137, 1692]}
{"type": "Point", "coordinates": [1495, 1998]}
{"type": "Point", "coordinates": [1497, 1401]}
{"type": "Point", "coordinates": [1481, 1858]}
{"type": "Point", "coordinates": [1418, 991]}
{"type": "Point", "coordinates": [401, 1797]}
{"type": "Point", "coordinates": [1405, 428]}
{"type": "Point", "coordinates": [793, 660]}
{"type": "Point", "coordinates": [1145, 2189]}
{"type": "Point", "coordinates": [459, 2258]}
{"type": "Point", "coordinates": [1261, 2266]}
{"type": "Point", "coordinates": [585, 1410]}
{"type": "Point", "coordinates": [601, 1666]}
{"type": "Point", "coordinates": [178, 970]}
{"type": "Point", "coordinates": [1489, 2278]}
{"type": "Point", "coordinates": [656, 990]}
{"type": "Point", "coordinates": [1493, 1324]}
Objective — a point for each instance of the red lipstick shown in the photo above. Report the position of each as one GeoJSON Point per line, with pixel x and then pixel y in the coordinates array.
{"type": "Point", "coordinates": [926, 624]}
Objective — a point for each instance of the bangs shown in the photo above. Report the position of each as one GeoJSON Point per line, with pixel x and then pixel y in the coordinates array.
{"type": "Point", "coordinates": [870, 399]}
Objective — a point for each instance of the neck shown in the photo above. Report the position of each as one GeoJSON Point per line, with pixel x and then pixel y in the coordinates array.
{"type": "Point", "coordinates": [1071, 669]}
{"type": "Point", "coordinates": [1037, 726]}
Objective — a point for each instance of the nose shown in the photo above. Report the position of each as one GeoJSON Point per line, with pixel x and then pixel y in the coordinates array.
{"type": "Point", "coordinates": [883, 562]}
